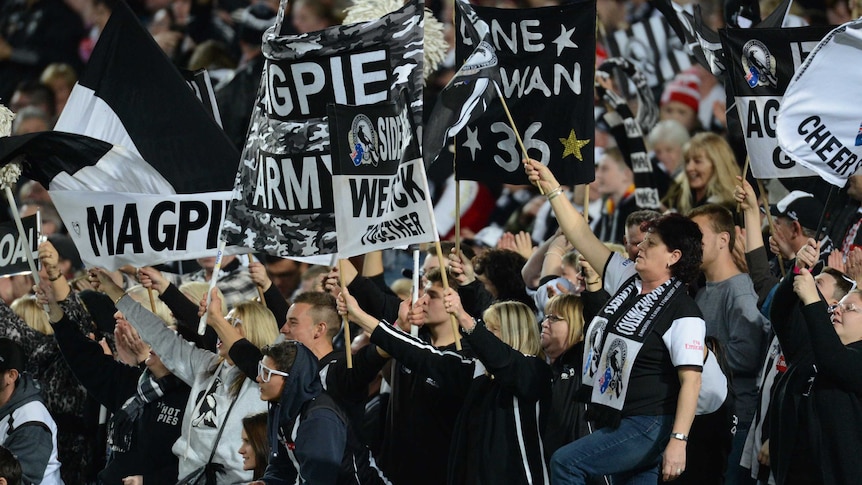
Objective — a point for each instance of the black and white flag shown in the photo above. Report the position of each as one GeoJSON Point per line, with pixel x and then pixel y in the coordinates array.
{"type": "Point", "coordinates": [380, 189]}
{"type": "Point", "coordinates": [547, 67]}
{"type": "Point", "coordinates": [470, 91]}
{"type": "Point", "coordinates": [762, 63]}
{"type": "Point", "coordinates": [282, 201]}
{"type": "Point", "coordinates": [819, 124]}
{"type": "Point", "coordinates": [137, 167]}
{"type": "Point", "coordinates": [13, 248]}
{"type": "Point", "coordinates": [652, 47]}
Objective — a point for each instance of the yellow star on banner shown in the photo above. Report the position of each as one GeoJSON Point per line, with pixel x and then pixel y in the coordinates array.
{"type": "Point", "coordinates": [572, 146]}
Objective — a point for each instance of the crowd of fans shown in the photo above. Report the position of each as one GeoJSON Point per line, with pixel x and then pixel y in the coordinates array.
{"type": "Point", "coordinates": [565, 338]}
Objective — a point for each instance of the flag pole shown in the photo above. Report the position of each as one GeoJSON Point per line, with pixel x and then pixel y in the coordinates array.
{"type": "Point", "coordinates": [765, 201]}
{"type": "Point", "coordinates": [344, 321]}
{"type": "Point", "coordinates": [21, 234]}
{"type": "Point", "coordinates": [445, 277]}
{"type": "Point", "coordinates": [414, 297]}
{"type": "Point", "coordinates": [457, 202]}
{"type": "Point", "coordinates": [514, 128]}
{"type": "Point", "coordinates": [152, 300]}
{"type": "Point", "coordinates": [259, 289]}
{"type": "Point", "coordinates": [744, 174]}
{"type": "Point", "coordinates": [586, 203]}
{"type": "Point", "coordinates": [202, 325]}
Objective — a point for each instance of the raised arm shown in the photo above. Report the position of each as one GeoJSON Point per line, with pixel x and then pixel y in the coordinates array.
{"type": "Point", "coordinates": [571, 221]}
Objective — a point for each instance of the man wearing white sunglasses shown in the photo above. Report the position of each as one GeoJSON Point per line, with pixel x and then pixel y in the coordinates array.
{"type": "Point", "coordinates": [310, 436]}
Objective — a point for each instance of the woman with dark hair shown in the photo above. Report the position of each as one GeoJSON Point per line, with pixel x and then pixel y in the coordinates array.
{"type": "Point", "coordinates": [643, 354]}
{"type": "Point", "coordinates": [255, 446]}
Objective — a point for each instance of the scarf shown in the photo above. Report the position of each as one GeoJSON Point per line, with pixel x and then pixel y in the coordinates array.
{"type": "Point", "coordinates": [628, 130]}
{"type": "Point", "coordinates": [122, 423]}
{"type": "Point", "coordinates": [614, 339]}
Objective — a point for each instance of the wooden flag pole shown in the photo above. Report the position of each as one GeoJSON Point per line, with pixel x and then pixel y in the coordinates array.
{"type": "Point", "coordinates": [152, 300]}
{"type": "Point", "coordinates": [765, 201]}
{"type": "Point", "coordinates": [587, 203]}
{"type": "Point", "coordinates": [514, 129]}
{"type": "Point", "coordinates": [259, 289]}
{"type": "Point", "coordinates": [457, 204]}
{"type": "Point", "coordinates": [344, 321]}
{"type": "Point", "coordinates": [744, 173]}
{"type": "Point", "coordinates": [445, 277]}
{"type": "Point", "coordinates": [414, 297]}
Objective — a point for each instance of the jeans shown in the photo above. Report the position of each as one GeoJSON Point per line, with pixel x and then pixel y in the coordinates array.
{"type": "Point", "coordinates": [630, 453]}
{"type": "Point", "coordinates": [736, 474]}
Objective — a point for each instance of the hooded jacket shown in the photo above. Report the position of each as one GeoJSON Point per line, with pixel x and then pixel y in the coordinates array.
{"type": "Point", "coordinates": [29, 432]}
{"type": "Point", "coordinates": [310, 436]}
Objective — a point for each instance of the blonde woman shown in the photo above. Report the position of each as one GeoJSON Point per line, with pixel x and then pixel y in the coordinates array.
{"type": "Point", "coordinates": [221, 395]}
{"type": "Point", "coordinates": [563, 342]}
{"type": "Point", "coordinates": [506, 388]}
{"type": "Point", "coordinates": [709, 174]}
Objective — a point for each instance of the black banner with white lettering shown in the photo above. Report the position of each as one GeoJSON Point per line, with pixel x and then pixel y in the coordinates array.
{"type": "Point", "coordinates": [381, 192]}
{"type": "Point", "coordinates": [13, 249]}
{"type": "Point", "coordinates": [547, 68]}
{"type": "Point", "coordinates": [282, 199]}
{"type": "Point", "coordinates": [762, 62]}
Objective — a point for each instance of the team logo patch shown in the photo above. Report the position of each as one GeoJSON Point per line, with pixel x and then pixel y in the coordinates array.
{"type": "Point", "coordinates": [759, 65]}
{"type": "Point", "coordinates": [859, 136]}
{"type": "Point", "coordinates": [363, 139]}
{"type": "Point", "coordinates": [612, 379]}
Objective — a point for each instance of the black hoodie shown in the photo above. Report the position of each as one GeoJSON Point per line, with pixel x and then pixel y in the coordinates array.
{"type": "Point", "coordinates": [309, 434]}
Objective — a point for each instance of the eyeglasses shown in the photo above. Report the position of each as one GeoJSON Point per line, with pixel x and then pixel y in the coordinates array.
{"type": "Point", "coordinates": [845, 308]}
{"type": "Point", "coordinates": [551, 318]}
{"type": "Point", "coordinates": [265, 373]}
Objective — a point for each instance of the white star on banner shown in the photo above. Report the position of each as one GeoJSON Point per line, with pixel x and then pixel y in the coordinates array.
{"type": "Point", "coordinates": [565, 39]}
{"type": "Point", "coordinates": [473, 141]}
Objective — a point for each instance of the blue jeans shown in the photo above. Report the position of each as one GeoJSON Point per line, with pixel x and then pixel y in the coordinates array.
{"type": "Point", "coordinates": [631, 454]}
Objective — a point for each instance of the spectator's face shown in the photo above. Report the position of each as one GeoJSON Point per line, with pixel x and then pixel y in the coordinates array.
{"type": "Point", "coordinates": [555, 333]}
{"type": "Point", "coordinates": [654, 258]}
{"type": "Point", "coordinates": [432, 302]}
{"type": "Point", "coordinates": [674, 110]}
{"type": "Point", "coordinates": [713, 242]}
{"type": "Point", "coordinates": [31, 125]}
{"type": "Point", "coordinates": [285, 275]}
{"type": "Point", "coordinates": [208, 264]}
{"type": "Point", "coordinates": [699, 170]}
{"type": "Point", "coordinates": [306, 20]}
{"type": "Point", "coordinates": [669, 154]}
{"type": "Point", "coordinates": [633, 238]}
{"type": "Point", "coordinates": [247, 452]}
{"type": "Point", "coordinates": [300, 325]}
{"type": "Point", "coordinates": [610, 177]}
{"type": "Point", "coordinates": [270, 391]}
{"type": "Point", "coordinates": [847, 318]}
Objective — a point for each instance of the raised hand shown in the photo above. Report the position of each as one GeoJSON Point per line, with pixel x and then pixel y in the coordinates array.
{"type": "Point", "coordinates": [153, 279]}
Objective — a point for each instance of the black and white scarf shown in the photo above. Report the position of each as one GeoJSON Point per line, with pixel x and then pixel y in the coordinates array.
{"type": "Point", "coordinates": [122, 423]}
{"type": "Point", "coordinates": [629, 131]}
{"type": "Point", "coordinates": [616, 335]}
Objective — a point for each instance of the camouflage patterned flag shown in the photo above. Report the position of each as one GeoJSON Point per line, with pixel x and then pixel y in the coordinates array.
{"type": "Point", "coordinates": [282, 199]}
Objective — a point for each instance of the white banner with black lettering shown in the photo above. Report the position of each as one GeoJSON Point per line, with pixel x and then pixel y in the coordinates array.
{"type": "Point", "coordinates": [762, 62]}
{"type": "Point", "coordinates": [380, 189]}
{"type": "Point", "coordinates": [111, 230]}
{"type": "Point", "coordinates": [13, 249]}
{"type": "Point", "coordinates": [819, 124]}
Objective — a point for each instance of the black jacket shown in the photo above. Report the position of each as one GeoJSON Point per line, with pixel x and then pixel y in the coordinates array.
{"type": "Point", "coordinates": [566, 421]}
{"type": "Point", "coordinates": [816, 420]}
{"type": "Point", "coordinates": [112, 383]}
{"type": "Point", "coordinates": [497, 435]}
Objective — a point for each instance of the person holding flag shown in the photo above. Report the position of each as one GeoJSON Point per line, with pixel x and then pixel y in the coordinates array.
{"type": "Point", "coordinates": [643, 354]}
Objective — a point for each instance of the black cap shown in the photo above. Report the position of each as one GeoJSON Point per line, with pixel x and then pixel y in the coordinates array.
{"type": "Point", "coordinates": [11, 355]}
{"type": "Point", "coordinates": [801, 207]}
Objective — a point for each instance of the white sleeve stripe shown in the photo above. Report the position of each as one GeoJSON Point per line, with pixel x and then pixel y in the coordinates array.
{"type": "Point", "coordinates": [398, 334]}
